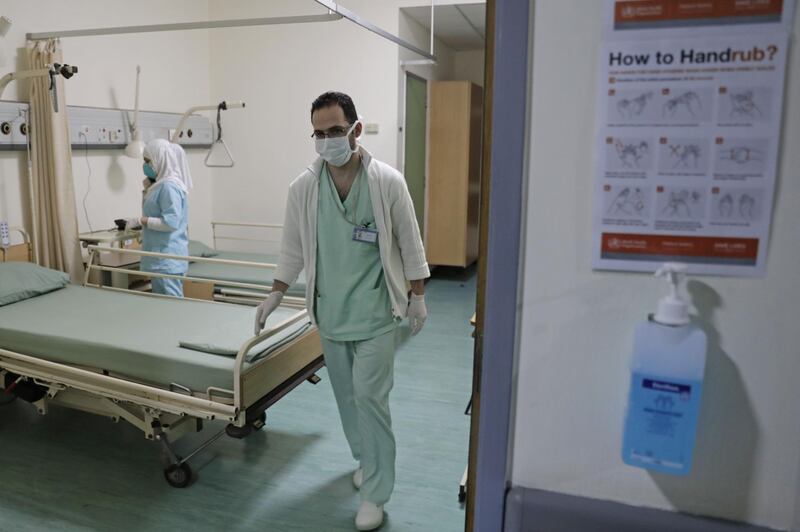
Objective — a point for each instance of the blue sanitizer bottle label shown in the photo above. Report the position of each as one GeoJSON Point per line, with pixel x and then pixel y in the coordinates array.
{"type": "Point", "coordinates": [661, 423]}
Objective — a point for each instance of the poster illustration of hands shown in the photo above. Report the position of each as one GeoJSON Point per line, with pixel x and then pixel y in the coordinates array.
{"type": "Point", "coordinates": [689, 115]}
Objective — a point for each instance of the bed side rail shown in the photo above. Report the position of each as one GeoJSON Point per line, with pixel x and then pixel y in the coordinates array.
{"type": "Point", "coordinates": [94, 265]}
{"type": "Point", "coordinates": [250, 225]}
{"type": "Point", "coordinates": [241, 356]}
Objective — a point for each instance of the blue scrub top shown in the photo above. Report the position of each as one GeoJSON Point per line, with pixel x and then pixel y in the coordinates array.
{"type": "Point", "coordinates": [169, 203]}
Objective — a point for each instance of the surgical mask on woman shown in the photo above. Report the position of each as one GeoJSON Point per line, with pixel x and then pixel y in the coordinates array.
{"type": "Point", "coordinates": [149, 172]}
{"type": "Point", "coordinates": [336, 151]}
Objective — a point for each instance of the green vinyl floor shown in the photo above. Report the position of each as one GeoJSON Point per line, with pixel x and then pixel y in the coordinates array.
{"type": "Point", "coordinates": [72, 471]}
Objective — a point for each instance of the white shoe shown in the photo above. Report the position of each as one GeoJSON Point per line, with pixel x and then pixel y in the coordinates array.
{"type": "Point", "coordinates": [369, 516]}
{"type": "Point", "coordinates": [358, 477]}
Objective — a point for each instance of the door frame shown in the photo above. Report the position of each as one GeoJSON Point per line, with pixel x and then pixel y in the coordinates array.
{"type": "Point", "coordinates": [506, 97]}
{"type": "Point", "coordinates": [427, 129]}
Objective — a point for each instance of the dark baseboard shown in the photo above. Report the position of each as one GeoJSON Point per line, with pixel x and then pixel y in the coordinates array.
{"type": "Point", "coordinates": [531, 510]}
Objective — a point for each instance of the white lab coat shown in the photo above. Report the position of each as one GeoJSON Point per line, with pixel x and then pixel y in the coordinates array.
{"type": "Point", "coordinates": [399, 240]}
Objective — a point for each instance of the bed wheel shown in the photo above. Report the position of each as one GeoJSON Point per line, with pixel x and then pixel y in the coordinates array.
{"type": "Point", "coordinates": [178, 475]}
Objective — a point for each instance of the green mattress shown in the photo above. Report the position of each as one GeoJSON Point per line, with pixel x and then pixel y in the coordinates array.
{"type": "Point", "coordinates": [244, 274]}
{"type": "Point", "coordinates": [137, 336]}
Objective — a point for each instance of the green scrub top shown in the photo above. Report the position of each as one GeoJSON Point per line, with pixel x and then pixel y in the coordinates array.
{"type": "Point", "coordinates": [351, 297]}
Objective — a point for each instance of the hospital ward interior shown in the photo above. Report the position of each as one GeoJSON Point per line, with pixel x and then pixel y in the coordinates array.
{"type": "Point", "coordinates": [399, 265]}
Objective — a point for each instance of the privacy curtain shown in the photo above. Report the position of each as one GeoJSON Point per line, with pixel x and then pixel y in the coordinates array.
{"type": "Point", "coordinates": [55, 217]}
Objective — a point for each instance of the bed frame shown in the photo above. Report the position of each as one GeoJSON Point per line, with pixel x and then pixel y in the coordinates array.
{"type": "Point", "coordinates": [18, 252]}
{"type": "Point", "coordinates": [215, 290]}
{"type": "Point", "coordinates": [216, 237]}
{"type": "Point", "coordinates": [234, 295]}
{"type": "Point", "coordinates": [164, 414]}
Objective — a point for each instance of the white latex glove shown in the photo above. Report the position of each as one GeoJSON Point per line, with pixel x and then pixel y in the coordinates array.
{"type": "Point", "coordinates": [267, 307]}
{"type": "Point", "coordinates": [417, 313]}
{"type": "Point", "coordinates": [133, 223]}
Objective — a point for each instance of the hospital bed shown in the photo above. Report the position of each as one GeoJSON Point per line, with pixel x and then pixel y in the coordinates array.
{"type": "Point", "coordinates": [162, 364]}
{"type": "Point", "coordinates": [244, 267]}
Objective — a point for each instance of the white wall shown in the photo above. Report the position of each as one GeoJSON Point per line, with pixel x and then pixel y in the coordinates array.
{"type": "Point", "coordinates": [279, 70]}
{"type": "Point", "coordinates": [577, 324]}
{"type": "Point", "coordinates": [469, 65]}
{"type": "Point", "coordinates": [175, 75]}
{"type": "Point", "coordinates": [412, 31]}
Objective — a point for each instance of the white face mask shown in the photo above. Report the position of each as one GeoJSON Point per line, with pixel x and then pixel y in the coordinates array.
{"type": "Point", "coordinates": [336, 151]}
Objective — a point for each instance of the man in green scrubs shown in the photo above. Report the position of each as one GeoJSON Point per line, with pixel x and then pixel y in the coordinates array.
{"type": "Point", "coordinates": [351, 225]}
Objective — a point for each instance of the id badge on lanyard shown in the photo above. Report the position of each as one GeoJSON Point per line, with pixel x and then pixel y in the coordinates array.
{"type": "Point", "coordinates": [364, 234]}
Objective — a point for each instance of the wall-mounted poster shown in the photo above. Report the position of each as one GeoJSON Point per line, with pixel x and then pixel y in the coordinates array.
{"type": "Point", "coordinates": [688, 137]}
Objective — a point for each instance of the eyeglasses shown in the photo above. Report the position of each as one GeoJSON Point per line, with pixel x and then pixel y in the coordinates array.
{"type": "Point", "coordinates": [331, 133]}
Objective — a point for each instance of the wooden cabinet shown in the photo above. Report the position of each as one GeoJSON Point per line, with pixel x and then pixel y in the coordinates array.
{"type": "Point", "coordinates": [454, 168]}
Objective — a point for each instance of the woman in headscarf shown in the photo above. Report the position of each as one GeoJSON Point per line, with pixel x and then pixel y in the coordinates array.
{"type": "Point", "coordinates": [165, 213]}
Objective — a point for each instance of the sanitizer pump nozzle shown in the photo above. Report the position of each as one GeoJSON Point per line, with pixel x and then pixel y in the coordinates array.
{"type": "Point", "coordinates": [672, 308]}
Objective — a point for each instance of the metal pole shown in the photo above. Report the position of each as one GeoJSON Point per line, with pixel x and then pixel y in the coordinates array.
{"type": "Point", "coordinates": [211, 24]}
{"type": "Point", "coordinates": [433, 8]}
{"type": "Point", "coordinates": [366, 24]}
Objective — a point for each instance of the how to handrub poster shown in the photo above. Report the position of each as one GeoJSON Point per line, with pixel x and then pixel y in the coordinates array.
{"type": "Point", "coordinates": [688, 139]}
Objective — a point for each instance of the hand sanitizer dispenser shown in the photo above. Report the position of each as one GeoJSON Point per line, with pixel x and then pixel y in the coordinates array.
{"type": "Point", "coordinates": [667, 369]}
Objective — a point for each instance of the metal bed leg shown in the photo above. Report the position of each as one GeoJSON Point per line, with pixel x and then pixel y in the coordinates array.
{"type": "Point", "coordinates": [177, 472]}
{"type": "Point", "coordinates": [252, 425]}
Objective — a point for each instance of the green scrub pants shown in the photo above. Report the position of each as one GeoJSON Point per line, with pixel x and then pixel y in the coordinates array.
{"type": "Point", "coordinates": [362, 375]}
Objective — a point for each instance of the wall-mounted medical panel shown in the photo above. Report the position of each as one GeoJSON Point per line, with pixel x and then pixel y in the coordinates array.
{"type": "Point", "coordinates": [108, 129]}
{"type": "Point", "coordinates": [98, 128]}
{"type": "Point", "coordinates": [13, 125]}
